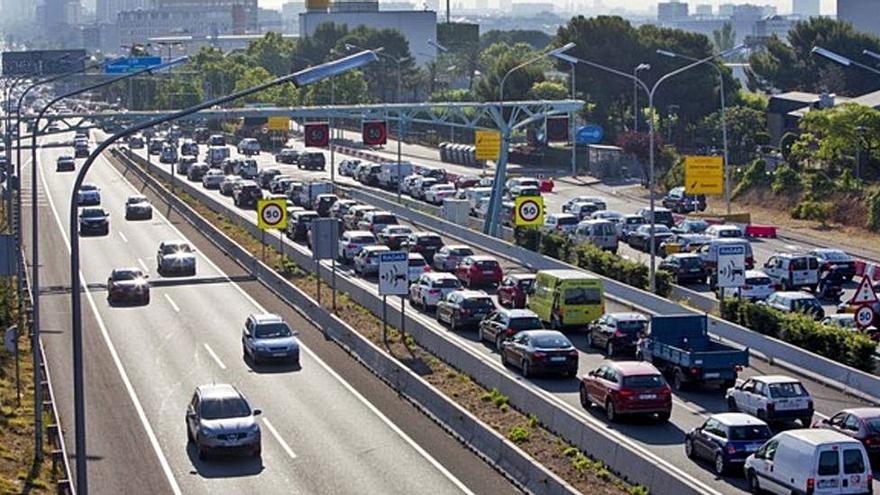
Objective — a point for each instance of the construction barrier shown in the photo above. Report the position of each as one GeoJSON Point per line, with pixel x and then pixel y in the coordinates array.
{"type": "Point", "coordinates": [547, 185]}
{"type": "Point", "coordinates": [765, 231]}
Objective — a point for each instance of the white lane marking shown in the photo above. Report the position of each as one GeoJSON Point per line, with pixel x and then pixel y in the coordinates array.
{"type": "Point", "coordinates": [124, 239]}
{"type": "Point", "coordinates": [171, 302]}
{"type": "Point", "coordinates": [142, 415]}
{"type": "Point", "coordinates": [280, 440]}
{"type": "Point", "coordinates": [430, 459]}
{"type": "Point", "coordinates": [214, 356]}
{"type": "Point", "coordinates": [143, 265]}
{"type": "Point", "coordinates": [792, 247]}
{"type": "Point", "coordinates": [820, 415]}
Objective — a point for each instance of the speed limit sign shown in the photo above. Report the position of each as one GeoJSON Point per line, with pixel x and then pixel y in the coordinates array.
{"type": "Point", "coordinates": [864, 316]}
{"type": "Point", "coordinates": [272, 214]}
{"type": "Point", "coordinates": [528, 211]}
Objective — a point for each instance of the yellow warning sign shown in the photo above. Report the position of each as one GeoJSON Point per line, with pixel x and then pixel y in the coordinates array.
{"type": "Point", "coordinates": [279, 124]}
{"type": "Point", "coordinates": [488, 145]}
{"type": "Point", "coordinates": [704, 175]}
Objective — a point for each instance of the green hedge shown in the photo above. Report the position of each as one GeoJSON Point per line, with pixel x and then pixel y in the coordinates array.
{"type": "Point", "coordinates": [591, 258]}
{"type": "Point", "coordinates": [838, 344]}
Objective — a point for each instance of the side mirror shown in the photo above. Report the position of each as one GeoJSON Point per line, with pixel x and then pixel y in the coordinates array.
{"type": "Point", "coordinates": [592, 373]}
{"type": "Point", "coordinates": [247, 333]}
{"type": "Point", "coordinates": [257, 412]}
{"type": "Point", "coordinates": [190, 413]}
{"type": "Point", "coordinates": [295, 333]}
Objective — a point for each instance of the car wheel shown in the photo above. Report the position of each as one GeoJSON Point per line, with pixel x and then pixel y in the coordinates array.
{"type": "Point", "coordinates": [498, 340]}
{"type": "Point", "coordinates": [689, 448]}
{"type": "Point", "coordinates": [526, 372]}
{"type": "Point", "coordinates": [731, 405]}
{"type": "Point", "coordinates": [754, 486]}
{"type": "Point", "coordinates": [610, 411]}
{"type": "Point", "coordinates": [589, 339]}
{"type": "Point", "coordinates": [145, 300]}
{"type": "Point", "coordinates": [586, 403]}
{"type": "Point", "coordinates": [678, 381]}
{"type": "Point", "coordinates": [609, 349]}
{"type": "Point", "coordinates": [719, 464]}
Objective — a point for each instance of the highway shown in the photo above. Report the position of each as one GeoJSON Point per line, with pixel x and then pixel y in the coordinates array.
{"type": "Point", "coordinates": [320, 433]}
{"type": "Point", "coordinates": [663, 443]}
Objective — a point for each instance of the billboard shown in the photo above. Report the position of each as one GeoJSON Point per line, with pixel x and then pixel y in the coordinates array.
{"type": "Point", "coordinates": [43, 62]}
{"type": "Point", "coordinates": [124, 65]}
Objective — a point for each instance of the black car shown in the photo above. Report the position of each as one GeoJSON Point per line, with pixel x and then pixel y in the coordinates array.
{"type": "Point", "coordinates": [836, 259]}
{"type": "Point", "coordinates": [246, 194]}
{"type": "Point", "coordinates": [312, 160]}
{"type": "Point", "coordinates": [197, 171]}
{"type": "Point", "coordinates": [94, 221]}
{"type": "Point", "coordinates": [298, 226]}
{"type": "Point", "coordinates": [265, 176]}
{"type": "Point", "coordinates": [505, 323]}
{"type": "Point", "coordinates": [425, 243]}
{"type": "Point", "coordinates": [540, 351]}
{"type": "Point", "coordinates": [685, 267]}
{"type": "Point", "coordinates": [128, 284]}
{"type": "Point", "coordinates": [288, 156]}
{"type": "Point", "coordinates": [641, 238]}
{"type": "Point", "coordinates": [680, 202]}
{"type": "Point", "coordinates": [464, 308]}
{"type": "Point", "coordinates": [138, 207]}
{"type": "Point", "coordinates": [136, 142]}
{"type": "Point", "coordinates": [617, 333]}
{"type": "Point", "coordinates": [155, 147]}
{"type": "Point", "coordinates": [65, 164]}
{"type": "Point", "coordinates": [323, 203]}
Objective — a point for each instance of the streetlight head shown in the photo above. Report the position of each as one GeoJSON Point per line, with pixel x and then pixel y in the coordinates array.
{"type": "Point", "coordinates": [562, 49]}
{"type": "Point", "coordinates": [350, 47]}
{"type": "Point", "coordinates": [438, 46]}
{"type": "Point", "coordinates": [566, 58]}
{"type": "Point", "coordinates": [871, 54]}
{"type": "Point", "coordinates": [334, 67]}
{"type": "Point", "coordinates": [643, 67]}
{"type": "Point", "coordinates": [667, 53]}
{"type": "Point", "coordinates": [834, 57]}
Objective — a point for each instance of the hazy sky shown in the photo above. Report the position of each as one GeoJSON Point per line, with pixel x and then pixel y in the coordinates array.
{"type": "Point", "coordinates": [784, 6]}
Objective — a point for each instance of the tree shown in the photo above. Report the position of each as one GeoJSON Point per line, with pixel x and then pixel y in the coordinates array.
{"type": "Point", "coordinates": [517, 85]}
{"type": "Point", "coordinates": [350, 89]}
{"type": "Point", "coordinates": [830, 138]}
{"type": "Point", "coordinates": [724, 38]}
{"type": "Point", "coordinates": [745, 126]}
{"type": "Point", "coordinates": [273, 53]}
{"type": "Point", "coordinates": [791, 67]}
{"type": "Point", "coordinates": [382, 74]}
{"type": "Point", "coordinates": [537, 40]}
{"type": "Point", "coordinates": [549, 90]}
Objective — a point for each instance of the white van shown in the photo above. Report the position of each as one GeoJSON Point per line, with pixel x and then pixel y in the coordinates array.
{"type": "Point", "coordinates": [709, 252]}
{"type": "Point", "coordinates": [793, 271]}
{"type": "Point", "coordinates": [601, 233]}
{"type": "Point", "coordinates": [814, 461]}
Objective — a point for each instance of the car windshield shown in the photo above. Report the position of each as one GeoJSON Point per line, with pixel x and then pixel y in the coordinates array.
{"type": "Point", "coordinates": [176, 248]}
{"type": "Point", "coordinates": [430, 240]}
{"type": "Point", "coordinates": [136, 199]}
{"type": "Point", "coordinates": [583, 295]}
{"type": "Point", "coordinates": [487, 265]}
{"type": "Point", "coordinates": [398, 231]}
{"type": "Point", "coordinates": [384, 219]}
{"type": "Point", "coordinates": [272, 331]}
{"type": "Point", "coordinates": [126, 275]}
{"type": "Point", "coordinates": [88, 187]}
{"type": "Point", "coordinates": [835, 255]}
{"type": "Point", "coordinates": [416, 262]}
{"type": "Point", "coordinates": [750, 432]}
{"type": "Point", "coordinates": [551, 342]}
{"type": "Point", "coordinates": [873, 424]}
{"type": "Point", "coordinates": [663, 216]}
{"type": "Point", "coordinates": [461, 252]}
{"type": "Point", "coordinates": [364, 239]}
{"type": "Point", "coordinates": [806, 304]}
{"type": "Point", "coordinates": [527, 283]}
{"type": "Point", "coordinates": [643, 381]}
{"type": "Point", "coordinates": [525, 323]}
{"type": "Point", "coordinates": [690, 262]}
{"type": "Point", "coordinates": [227, 407]}
{"type": "Point", "coordinates": [446, 283]}
{"type": "Point", "coordinates": [786, 390]}
{"type": "Point", "coordinates": [758, 281]}
{"type": "Point", "coordinates": [92, 213]}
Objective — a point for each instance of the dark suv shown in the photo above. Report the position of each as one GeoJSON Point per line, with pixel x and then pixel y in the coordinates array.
{"type": "Point", "coordinates": [311, 161]}
{"type": "Point", "coordinates": [246, 194]}
{"type": "Point", "coordinates": [679, 202]}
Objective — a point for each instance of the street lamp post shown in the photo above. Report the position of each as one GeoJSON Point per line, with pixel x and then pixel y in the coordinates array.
{"type": "Point", "coordinates": [651, 91]}
{"type": "Point", "coordinates": [300, 78]}
{"type": "Point", "coordinates": [571, 119]}
{"type": "Point", "coordinates": [723, 96]}
{"type": "Point", "coordinates": [636, 71]}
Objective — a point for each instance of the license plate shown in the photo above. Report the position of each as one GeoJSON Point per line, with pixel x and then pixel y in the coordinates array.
{"type": "Point", "coordinates": [712, 375]}
{"type": "Point", "coordinates": [557, 359]}
{"type": "Point", "coordinates": [789, 405]}
{"type": "Point", "coordinates": [647, 396]}
{"type": "Point", "coordinates": [827, 483]}
{"type": "Point", "coordinates": [694, 270]}
{"type": "Point", "coordinates": [279, 354]}
{"type": "Point", "coordinates": [488, 272]}
{"type": "Point", "coordinates": [753, 447]}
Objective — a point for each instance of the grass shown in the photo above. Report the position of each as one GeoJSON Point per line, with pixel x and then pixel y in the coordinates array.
{"type": "Point", "coordinates": [490, 406]}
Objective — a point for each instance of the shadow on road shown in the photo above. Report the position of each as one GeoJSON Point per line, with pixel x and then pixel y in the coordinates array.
{"type": "Point", "coordinates": [223, 466]}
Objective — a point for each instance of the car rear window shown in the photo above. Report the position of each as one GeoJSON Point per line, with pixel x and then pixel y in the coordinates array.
{"type": "Point", "coordinates": [551, 342]}
{"type": "Point", "coordinates": [461, 252]}
{"type": "Point", "coordinates": [691, 262]}
{"type": "Point", "coordinates": [750, 432]}
{"type": "Point", "coordinates": [384, 219]}
{"type": "Point", "coordinates": [583, 295]}
{"type": "Point", "coordinates": [759, 281]}
{"type": "Point", "coordinates": [416, 262]}
{"type": "Point", "coordinates": [446, 283]}
{"type": "Point", "coordinates": [786, 390]}
{"type": "Point", "coordinates": [429, 240]}
{"type": "Point", "coordinates": [527, 284]}
{"type": "Point", "coordinates": [362, 239]}
{"type": "Point", "coordinates": [836, 256]}
{"type": "Point", "coordinates": [632, 326]}
{"type": "Point", "coordinates": [487, 265]}
{"type": "Point", "coordinates": [807, 305]}
{"type": "Point", "coordinates": [567, 221]}
{"type": "Point", "coordinates": [525, 323]}
{"type": "Point", "coordinates": [853, 461]}
{"type": "Point", "coordinates": [663, 216]}
{"type": "Point", "coordinates": [643, 381]}
{"type": "Point", "coordinates": [873, 424]}
{"type": "Point", "coordinates": [829, 463]}
{"type": "Point", "coordinates": [478, 303]}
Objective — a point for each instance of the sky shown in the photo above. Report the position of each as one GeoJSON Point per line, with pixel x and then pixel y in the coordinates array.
{"type": "Point", "coordinates": [784, 6]}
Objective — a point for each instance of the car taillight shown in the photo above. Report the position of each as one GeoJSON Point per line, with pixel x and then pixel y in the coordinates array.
{"type": "Point", "coordinates": [872, 441]}
{"type": "Point", "coordinates": [625, 393]}
{"type": "Point", "coordinates": [509, 331]}
{"type": "Point", "coordinates": [811, 486]}
{"type": "Point", "coordinates": [538, 355]}
{"type": "Point", "coordinates": [738, 368]}
{"type": "Point", "coordinates": [433, 292]}
{"type": "Point", "coordinates": [731, 449]}
{"type": "Point", "coordinates": [666, 391]}
{"type": "Point", "coordinates": [619, 334]}
{"type": "Point", "coordinates": [695, 371]}
{"type": "Point", "coordinates": [427, 269]}
{"type": "Point", "coordinates": [573, 353]}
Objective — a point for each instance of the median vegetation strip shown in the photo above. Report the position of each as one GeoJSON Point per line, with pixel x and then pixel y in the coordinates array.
{"type": "Point", "coordinates": [490, 406]}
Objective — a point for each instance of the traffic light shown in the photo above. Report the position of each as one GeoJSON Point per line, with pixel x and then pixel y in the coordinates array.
{"type": "Point", "coordinates": [557, 129]}
{"type": "Point", "coordinates": [317, 135]}
{"type": "Point", "coordinates": [374, 132]}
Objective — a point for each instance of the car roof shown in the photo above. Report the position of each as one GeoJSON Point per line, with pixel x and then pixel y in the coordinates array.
{"type": "Point", "coordinates": [522, 276]}
{"type": "Point", "coordinates": [818, 436]}
{"type": "Point", "coordinates": [457, 246]}
{"type": "Point", "coordinates": [472, 293]}
{"type": "Point", "coordinates": [266, 318]}
{"type": "Point", "coordinates": [633, 367]}
{"type": "Point", "coordinates": [128, 269]}
{"type": "Point", "coordinates": [684, 255]}
{"type": "Point", "coordinates": [768, 379]}
{"type": "Point", "coordinates": [518, 313]}
{"type": "Point", "coordinates": [795, 294]}
{"type": "Point", "coordinates": [357, 233]}
{"type": "Point", "coordinates": [755, 273]}
{"type": "Point", "coordinates": [218, 391]}
{"type": "Point", "coordinates": [864, 412]}
{"type": "Point", "coordinates": [440, 276]}
{"type": "Point", "coordinates": [377, 247]}
{"type": "Point", "coordinates": [628, 315]}
{"type": "Point", "coordinates": [737, 419]}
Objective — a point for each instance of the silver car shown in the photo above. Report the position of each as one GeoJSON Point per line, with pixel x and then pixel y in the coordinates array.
{"type": "Point", "coordinates": [220, 420]}
{"type": "Point", "coordinates": [267, 336]}
{"type": "Point", "coordinates": [176, 257]}
{"type": "Point", "coordinates": [138, 206]}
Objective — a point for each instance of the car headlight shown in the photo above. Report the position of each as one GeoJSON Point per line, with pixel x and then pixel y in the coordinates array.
{"type": "Point", "coordinates": [205, 432]}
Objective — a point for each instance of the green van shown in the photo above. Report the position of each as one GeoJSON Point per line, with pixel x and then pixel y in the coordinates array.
{"type": "Point", "coordinates": [567, 298]}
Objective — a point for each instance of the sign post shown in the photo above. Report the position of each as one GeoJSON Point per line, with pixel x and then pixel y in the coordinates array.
{"type": "Point", "coordinates": [271, 214]}
{"type": "Point", "coordinates": [528, 211]}
{"type": "Point", "coordinates": [704, 175]}
{"type": "Point", "coordinates": [393, 281]}
{"type": "Point", "coordinates": [731, 270]}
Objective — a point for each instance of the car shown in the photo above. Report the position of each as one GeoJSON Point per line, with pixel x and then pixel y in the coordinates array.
{"type": "Point", "coordinates": [859, 423]}
{"type": "Point", "coordinates": [430, 288]}
{"type": "Point", "coordinates": [298, 226]}
{"type": "Point", "coordinates": [540, 352]}
{"type": "Point", "coordinates": [521, 182]}
{"type": "Point", "coordinates": [189, 148]}
{"type": "Point", "coordinates": [831, 258]}
{"type": "Point", "coordinates": [341, 207]}
{"type": "Point", "coordinates": [246, 193]}
{"type": "Point", "coordinates": [617, 333]}
{"type": "Point", "coordinates": [136, 142]}
{"type": "Point", "coordinates": [599, 202]}
{"type": "Point", "coordinates": [661, 215]}
{"type": "Point", "coordinates": [405, 186]}
{"type": "Point", "coordinates": [94, 221]}
{"type": "Point", "coordinates": [684, 267]}
{"type": "Point", "coordinates": [281, 183]}
{"type": "Point", "coordinates": [505, 323]}
{"type": "Point", "coordinates": [583, 210]}
{"type": "Point", "coordinates": [346, 167]}
{"type": "Point", "coordinates": [514, 289]}
{"type": "Point", "coordinates": [809, 461]}
{"type": "Point", "coordinates": [65, 163]}
{"type": "Point", "coordinates": [709, 252]}
{"type": "Point", "coordinates": [265, 176]}
{"type": "Point", "coordinates": [394, 236]}
{"type": "Point", "coordinates": [841, 320]}
{"type": "Point", "coordinates": [691, 226]}
{"type": "Point", "coordinates": [246, 168]}
{"type": "Point", "coordinates": [683, 243]}
{"type": "Point", "coordinates": [217, 140]}
{"type": "Point", "coordinates": [228, 184]}
{"type": "Point", "coordinates": [287, 156]}
{"type": "Point", "coordinates": [155, 147]}
{"type": "Point", "coordinates": [175, 256]}
{"type": "Point", "coordinates": [560, 223]}
{"type": "Point", "coordinates": [267, 337]}
{"type": "Point", "coordinates": [416, 266]}
{"type": "Point", "coordinates": [425, 243]}
{"type": "Point", "coordinates": [356, 214]}
{"type": "Point", "coordinates": [726, 439]}
{"type": "Point", "coordinates": [213, 178]}
{"type": "Point", "coordinates": [624, 388]}
{"type": "Point", "coordinates": [219, 419]}
{"type": "Point", "coordinates": [323, 203]}
{"type": "Point", "coordinates": [248, 147]}
{"type": "Point", "coordinates": [464, 308]}
{"type": "Point", "coordinates": [724, 231]}
{"type": "Point", "coordinates": [360, 171]}
{"type": "Point", "coordinates": [183, 165]}
{"type": "Point", "coordinates": [680, 202]}
{"type": "Point", "coordinates": [438, 192]}
{"type": "Point", "coordinates": [795, 302]}
{"type": "Point", "coordinates": [641, 238]}
{"type": "Point", "coordinates": [311, 160]}
{"type": "Point", "coordinates": [523, 190]}
{"type": "Point", "coordinates": [128, 284]}
{"type": "Point", "coordinates": [628, 225]}
{"type": "Point", "coordinates": [197, 171]}
{"type": "Point", "coordinates": [375, 221]}
{"type": "Point", "coordinates": [420, 185]}
{"type": "Point", "coordinates": [479, 270]}
{"type": "Point", "coordinates": [88, 195]}
{"type": "Point", "coordinates": [450, 255]}
{"type": "Point", "coordinates": [169, 154]}
{"type": "Point", "coordinates": [369, 174]}
{"type": "Point", "coordinates": [758, 287]}
{"type": "Point", "coordinates": [352, 241]}
{"type": "Point", "coordinates": [772, 398]}
{"type": "Point", "coordinates": [600, 233]}
{"type": "Point", "coordinates": [367, 260]}
{"type": "Point", "coordinates": [138, 207]}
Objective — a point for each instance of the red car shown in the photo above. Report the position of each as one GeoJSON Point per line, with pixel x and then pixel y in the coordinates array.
{"type": "Point", "coordinates": [514, 290]}
{"type": "Point", "coordinates": [467, 181]}
{"type": "Point", "coordinates": [627, 388]}
{"type": "Point", "coordinates": [862, 424]}
{"type": "Point", "coordinates": [479, 270]}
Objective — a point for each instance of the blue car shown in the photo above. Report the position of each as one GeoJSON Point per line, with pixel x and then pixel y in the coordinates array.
{"type": "Point", "coordinates": [726, 439]}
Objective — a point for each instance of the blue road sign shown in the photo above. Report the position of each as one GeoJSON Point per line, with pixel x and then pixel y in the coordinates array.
{"type": "Point", "coordinates": [731, 250]}
{"type": "Point", "coordinates": [590, 134]}
{"type": "Point", "coordinates": [125, 65]}
{"type": "Point", "coordinates": [393, 256]}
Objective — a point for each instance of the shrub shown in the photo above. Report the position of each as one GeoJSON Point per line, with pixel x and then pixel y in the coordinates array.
{"type": "Point", "coordinates": [519, 434]}
{"type": "Point", "coordinates": [873, 201]}
{"type": "Point", "coordinates": [785, 180]}
{"type": "Point", "coordinates": [756, 173]}
{"type": "Point", "coordinates": [527, 237]}
{"type": "Point", "coordinates": [812, 210]}
{"type": "Point", "coordinates": [785, 144]}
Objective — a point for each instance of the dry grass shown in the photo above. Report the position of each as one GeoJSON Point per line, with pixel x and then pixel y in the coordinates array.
{"type": "Point", "coordinates": [566, 461]}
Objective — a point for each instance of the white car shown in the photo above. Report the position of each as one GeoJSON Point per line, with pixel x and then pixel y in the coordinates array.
{"type": "Point", "coordinates": [772, 398]}
{"type": "Point", "coordinates": [367, 261]}
{"type": "Point", "coordinates": [249, 146]}
{"type": "Point", "coordinates": [176, 257]}
{"type": "Point", "coordinates": [213, 178]}
{"type": "Point", "coordinates": [351, 243]}
{"type": "Point", "coordinates": [596, 200]}
{"type": "Point", "coordinates": [417, 266]}
{"type": "Point", "coordinates": [438, 192]}
{"type": "Point", "coordinates": [757, 288]}
{"type": "Point", "coordinates": [431, 287]}
{"type": "Point", "coordinates": [407, 184]}
{"type": "Point", "coordinates": [560, 223]}
{"type": "Point", "coordinates": [346, 167]}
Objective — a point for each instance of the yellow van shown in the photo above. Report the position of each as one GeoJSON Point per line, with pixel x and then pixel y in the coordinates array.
{"type": "Point", "coordinates": [567, 298]}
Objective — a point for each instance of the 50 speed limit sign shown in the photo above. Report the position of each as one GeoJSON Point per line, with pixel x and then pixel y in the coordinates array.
{"type": "Point", "coordinates": [864, 316]}
{"type": "Point", "coordinates": [272, 214]}
{"type": "Point", "coordinates": [528, 211]}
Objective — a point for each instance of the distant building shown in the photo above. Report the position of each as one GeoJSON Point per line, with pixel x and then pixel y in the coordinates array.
{"type": "Point", "coordinates": [528, 9]}
{"type": "Point", "coordinates": [269, 20]}
{"type": "Point", "coordinates": [725, 10]}
{"type": "Point", "coordinates": [107, 10]}
{"type": "Point", "coordinates": [805, 8]}
{"type": "Point", "coordinates": [703, 10]}
{"type": "Point", "coordinates": [190, 45]}
{"type": "Point", "coordinates": [290, 12]}
{"type": "Point", "coordinates": [672, 11]}
{"type": "Point", "coordinates": [774, 25]}
{"type": "Point", "coordinates": [188, 17]}
{"type": "Point", "coordinates": [861, 13]}
{"type": "Point", "coordinates": [16, 10]}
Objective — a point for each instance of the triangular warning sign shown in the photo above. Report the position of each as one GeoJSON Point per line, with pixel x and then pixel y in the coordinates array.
{"type": "Point", "coordinates": [865, 293]}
